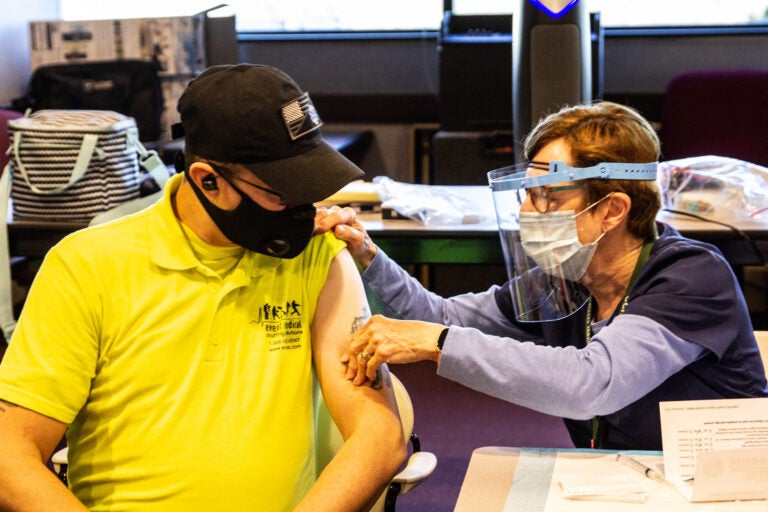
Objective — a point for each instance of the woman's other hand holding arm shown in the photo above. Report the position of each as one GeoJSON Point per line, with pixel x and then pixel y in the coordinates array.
{"type": "Point", "coordinates": [346, 226]}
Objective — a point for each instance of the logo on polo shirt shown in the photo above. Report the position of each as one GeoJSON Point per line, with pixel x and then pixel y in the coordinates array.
{"type": "Point", "coordinates": [283, 324]}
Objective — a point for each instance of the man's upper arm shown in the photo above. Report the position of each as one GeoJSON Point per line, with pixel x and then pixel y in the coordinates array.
{"type": "Point", "coordinates": [23, 430]}
{"type": "Point", "coordinates": [342, 309]}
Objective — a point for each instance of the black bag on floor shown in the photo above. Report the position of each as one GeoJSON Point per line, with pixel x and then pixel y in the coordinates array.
{"type": "Point", "coordinates": [130, 87]}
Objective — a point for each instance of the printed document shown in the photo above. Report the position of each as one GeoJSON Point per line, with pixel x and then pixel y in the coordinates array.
{"type": "Point", "coordinates": [716, 450]}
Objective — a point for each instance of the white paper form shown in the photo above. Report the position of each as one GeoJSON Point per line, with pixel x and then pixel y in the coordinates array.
{"type": "Point", "coordinates": [733, 434]}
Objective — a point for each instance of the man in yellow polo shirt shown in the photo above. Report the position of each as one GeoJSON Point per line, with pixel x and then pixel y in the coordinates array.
{"type": "Point", "coordinates": [177, 346]}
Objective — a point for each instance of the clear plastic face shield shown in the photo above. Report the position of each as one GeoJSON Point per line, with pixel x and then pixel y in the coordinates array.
{"type": "Point", "coordinates": [543, 255]}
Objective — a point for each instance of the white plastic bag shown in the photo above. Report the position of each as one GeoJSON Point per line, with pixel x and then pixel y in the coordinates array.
{"type": "Point", "coordinates": [720, 188]}
{"type": "Point", "coordinates": [430, 204]}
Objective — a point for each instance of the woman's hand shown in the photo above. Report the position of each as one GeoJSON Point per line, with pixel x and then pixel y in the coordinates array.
{"type": "Point", "coordinates": [346, 226]}
{"type": "Point", "coordinates": [385, 340]}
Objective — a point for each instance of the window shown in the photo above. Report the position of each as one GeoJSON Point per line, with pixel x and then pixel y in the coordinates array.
{"type": "Point", "coordinates": [344, 15]}
{"type": "Point", "coordinates": [278, 15]}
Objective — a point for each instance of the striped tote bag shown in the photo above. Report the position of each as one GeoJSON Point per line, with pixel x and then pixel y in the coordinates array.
{"type": "Point", "coordinates": [70, 165]}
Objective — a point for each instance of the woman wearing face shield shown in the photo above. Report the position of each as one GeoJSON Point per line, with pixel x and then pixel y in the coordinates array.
{"type": "Point", "coordinates": [606, 313]}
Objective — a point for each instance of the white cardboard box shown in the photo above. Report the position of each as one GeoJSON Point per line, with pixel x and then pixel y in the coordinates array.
{"type": "Point", "coordinates": [177, 43]}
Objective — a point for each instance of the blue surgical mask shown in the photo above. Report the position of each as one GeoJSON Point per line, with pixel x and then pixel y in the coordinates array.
{"type": "Point", "coordinates": [281, 234]}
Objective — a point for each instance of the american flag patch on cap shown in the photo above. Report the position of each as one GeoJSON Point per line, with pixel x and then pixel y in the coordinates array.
{"type": "Point", "coordinates": [301, 117]}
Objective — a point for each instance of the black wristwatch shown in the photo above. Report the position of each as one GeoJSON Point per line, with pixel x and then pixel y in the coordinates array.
{"type": "Point", "coordinates": [441, 339]}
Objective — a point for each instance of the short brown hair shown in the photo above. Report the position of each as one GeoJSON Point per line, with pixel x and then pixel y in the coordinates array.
{"type": "Point", "coordinates": [606, 132]}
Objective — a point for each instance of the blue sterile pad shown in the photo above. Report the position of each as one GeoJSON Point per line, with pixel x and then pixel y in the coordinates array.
{"type": "Point", "coordinates": [560, 172]}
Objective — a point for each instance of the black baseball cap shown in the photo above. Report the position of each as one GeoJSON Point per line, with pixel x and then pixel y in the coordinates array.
{"type": "Point", "coordinates": [257, 116]}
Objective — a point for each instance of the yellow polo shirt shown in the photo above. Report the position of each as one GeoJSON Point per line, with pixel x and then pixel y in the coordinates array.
{"type": "Point", "coordinates": [184, 390]}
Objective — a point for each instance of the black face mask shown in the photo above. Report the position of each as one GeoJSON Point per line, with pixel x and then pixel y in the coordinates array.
{"type": "Point", "coordinates": [282, 234]}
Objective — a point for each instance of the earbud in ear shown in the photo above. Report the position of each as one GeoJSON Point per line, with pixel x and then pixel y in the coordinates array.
{"type": "Point", "coordinates": [209, 182]}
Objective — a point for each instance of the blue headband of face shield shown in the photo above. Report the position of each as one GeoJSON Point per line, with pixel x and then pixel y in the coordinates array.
{"type": "Point", "coordinates": [560, 172]}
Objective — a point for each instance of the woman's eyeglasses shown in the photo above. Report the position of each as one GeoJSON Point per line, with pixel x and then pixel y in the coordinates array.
{"type": "Point", "coordinates": [540, 197]}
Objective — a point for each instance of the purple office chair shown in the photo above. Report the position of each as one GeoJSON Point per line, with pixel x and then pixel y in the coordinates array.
{"type": "Point", "coordinates": [720, 112]}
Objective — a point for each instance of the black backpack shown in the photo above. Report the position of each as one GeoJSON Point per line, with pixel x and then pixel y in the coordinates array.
{"type": "Point", "coordinates": [131, 87]}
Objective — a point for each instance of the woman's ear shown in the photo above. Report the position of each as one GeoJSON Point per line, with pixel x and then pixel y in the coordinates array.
{"type": "Point", "coordinates": [617, 212]}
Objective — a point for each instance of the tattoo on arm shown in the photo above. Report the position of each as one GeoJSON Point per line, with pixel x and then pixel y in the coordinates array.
{"type": "Point", "coordinates": [376, 383]}
{"type": "Point", "coordinates": [358, 322]}
{"type": "Point", "coordinates": [382, 378]}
